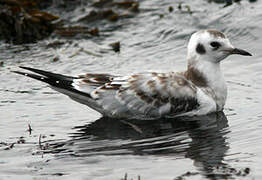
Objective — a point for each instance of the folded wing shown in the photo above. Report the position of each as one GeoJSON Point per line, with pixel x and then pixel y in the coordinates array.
{"type": "Point", "coordinates": [143, 96]}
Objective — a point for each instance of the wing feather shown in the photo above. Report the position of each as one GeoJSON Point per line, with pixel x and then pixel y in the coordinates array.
{"type": "Point", "coordinates": [147, 95]}
{"type": "Point", "coordinates": [143, 96]}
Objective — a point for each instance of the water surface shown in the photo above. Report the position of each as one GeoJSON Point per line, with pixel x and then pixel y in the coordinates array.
{"type": "Point", "coordinates": [77, 143]}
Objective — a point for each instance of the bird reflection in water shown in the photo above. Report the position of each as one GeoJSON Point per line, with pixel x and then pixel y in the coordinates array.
{"type": "Point", "coordinates": [201, 138]}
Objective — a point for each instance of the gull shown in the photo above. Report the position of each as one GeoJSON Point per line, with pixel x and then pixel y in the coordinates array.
{"type": "Point", "coordinates": [199, 90]}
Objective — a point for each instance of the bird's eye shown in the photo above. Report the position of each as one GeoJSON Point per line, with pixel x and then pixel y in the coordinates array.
{"type": "Point", "coordinates": [215, 44]}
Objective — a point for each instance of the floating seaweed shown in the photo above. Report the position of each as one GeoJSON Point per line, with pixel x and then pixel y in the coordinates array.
{"type": "Point", "coordinates": [129, 5]}
{"type": "Point", "coordinates": [170, 9]}
{"type": "Point", "coordinates": [184, 8]}
{"type": "Point", "coordinates": [228, 2]}
{"type": "Point", "coordinates": [115, 46]}
{"type": "Point", "coordinates": [74, 30]}
{"type": "Point", "coordinates": [22, 22]}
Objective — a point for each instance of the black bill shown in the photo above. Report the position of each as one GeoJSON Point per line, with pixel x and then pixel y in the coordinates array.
{"type": "Point", "coordinates": [241, 52]}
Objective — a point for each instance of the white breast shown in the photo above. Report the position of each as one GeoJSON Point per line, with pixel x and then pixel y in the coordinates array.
{"type": "Point", "coordinates": [207, 103]}
{"type": "Point", "coordinates": [216, 88]}
{"type": "Point", "coordinates": [218, 91]}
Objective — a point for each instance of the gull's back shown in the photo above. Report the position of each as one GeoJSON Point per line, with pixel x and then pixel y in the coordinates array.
{"type": "Point", "coordinates": [140, 96]}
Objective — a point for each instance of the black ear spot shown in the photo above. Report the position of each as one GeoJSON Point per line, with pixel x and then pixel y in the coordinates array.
{"type": "Point", "coordinates": [200, 49]}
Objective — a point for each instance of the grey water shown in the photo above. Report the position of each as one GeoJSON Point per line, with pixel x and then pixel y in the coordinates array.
{"type": "Point", "coordinates": [70, 141]}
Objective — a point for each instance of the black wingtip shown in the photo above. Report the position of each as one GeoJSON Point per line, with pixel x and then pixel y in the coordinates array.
{"type": "Point", "coordinates": [38, 71]}
{"type": "Point", "coordinates": [31, 69]}
{"type": "Point", "coordinates": [27, 68]}
{"type": "Point", "coordinates": [34, 76]}
{"type": "Point", "coordinates": [21, 73]}
{"type": "Point", "coordinates": [18, 72]}
{"type": "Point", "coordinates": [53, 79]}
{"type": "Point", "coordinates": [47, 77]}
{"type": "Point", "coordinates": [23, 67]}
{"type": "Point", "coordinates": [48, 74]}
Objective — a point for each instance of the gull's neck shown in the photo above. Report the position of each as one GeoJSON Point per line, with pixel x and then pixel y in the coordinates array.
{"type": "Point", "coordinates": [208, 76]}
{"type": "Point", "coordinates": [204, 73]}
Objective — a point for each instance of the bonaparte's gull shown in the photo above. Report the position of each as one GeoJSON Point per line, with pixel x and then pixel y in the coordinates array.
{"type": "Point", "coordinates": [200, 90]}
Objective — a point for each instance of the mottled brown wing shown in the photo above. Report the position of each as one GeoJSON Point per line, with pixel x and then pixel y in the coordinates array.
{"type": "Point", "coordinates": [147, 95]}
{"type": "Point", "coordinates": [158, 94]}
{"type": "Point", "coordinates": [90, 82]}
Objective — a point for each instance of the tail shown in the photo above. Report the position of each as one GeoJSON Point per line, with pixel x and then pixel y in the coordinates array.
{"type": "Point", "coordinates": [57, 81]}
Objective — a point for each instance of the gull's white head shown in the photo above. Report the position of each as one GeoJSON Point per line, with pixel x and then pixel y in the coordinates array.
{"type": "Point", "coordinates": [212, 46]}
